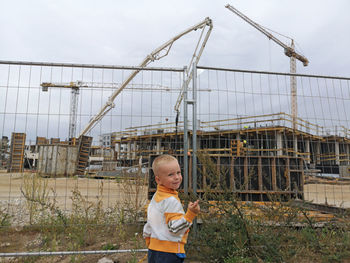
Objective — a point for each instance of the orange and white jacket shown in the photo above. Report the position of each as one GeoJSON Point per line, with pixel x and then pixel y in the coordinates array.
{"type": "Point", "coordinates": [167, 224]}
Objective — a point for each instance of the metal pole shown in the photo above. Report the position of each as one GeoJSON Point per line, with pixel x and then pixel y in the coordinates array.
{"type": "Point", "coordinates": [273, 73]}
{"type": "Point", "coordinates": [194, 138]}
{"type": "Point", "coordinates": [185, 134]}
{"type": "Point", "coordinates": [194, 133]}
{"type": "Point", "coordinates": [65, 253]}
{"type": "Point", "coordinates": [75, 65]}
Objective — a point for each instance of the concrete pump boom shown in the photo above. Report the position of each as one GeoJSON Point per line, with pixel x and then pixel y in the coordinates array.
{"type": "Point", "coordinates": [155, 55]}
{"type": "Point", "coordinates": [196, 57]}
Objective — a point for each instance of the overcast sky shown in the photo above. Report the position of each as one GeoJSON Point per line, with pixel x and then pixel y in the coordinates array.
{"type": "Point", "coordinates": [115, 32]}
{"type": "Point", "coordinates": [124, 32]}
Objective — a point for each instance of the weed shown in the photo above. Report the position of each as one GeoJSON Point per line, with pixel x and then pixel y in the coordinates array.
{"type": "Point", "coordinates": [133, 186]}
{"type": "Point", "coordinates": [5, 218]}
{"type": "Point", "coordinates": [277, 231]}
{"type": "Point", "coordinates": [36, 193]}
{"type": "Point", "coordinates": [110, 246]}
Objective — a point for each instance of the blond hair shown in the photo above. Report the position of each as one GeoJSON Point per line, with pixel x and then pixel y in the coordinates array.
{"type": "Point", "coordinates": [160, 160]}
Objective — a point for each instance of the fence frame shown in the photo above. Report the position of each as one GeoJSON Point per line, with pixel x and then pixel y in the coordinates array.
{"type": "Point", "coordinates": [187, 102]}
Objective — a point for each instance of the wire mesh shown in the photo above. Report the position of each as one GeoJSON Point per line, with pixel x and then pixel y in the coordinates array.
{"type": "Point", "coordinates": [254, 108]}
{"type": "Point", "coordinates": [244, 123]}
{"type": "Point", "coordinates": [42, 113]}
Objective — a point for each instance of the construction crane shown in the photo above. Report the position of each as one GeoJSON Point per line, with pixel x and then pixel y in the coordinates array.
{"type": "Point", "coordinates": [289, 51]}
{"type": "Point", "coordinates": [157, 54]}
{"type": "Point", "coordinates": [74, 86]}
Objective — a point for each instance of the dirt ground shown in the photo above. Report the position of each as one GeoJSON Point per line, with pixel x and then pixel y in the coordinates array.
{"type": "Point", "coordinates": [113, 192]}
{"type": "Point", "coordinates": [331, 194]}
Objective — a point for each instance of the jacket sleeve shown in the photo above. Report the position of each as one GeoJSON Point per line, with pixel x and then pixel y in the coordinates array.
{"type": "Point", "coordinates": [176, 219]}
{"type": "Point", "coordinates": [147, 233]}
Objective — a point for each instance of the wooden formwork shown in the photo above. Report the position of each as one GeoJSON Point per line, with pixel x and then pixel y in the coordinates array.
{"type": "Point", "coordinates": [16, 161]}
{"type": "Point", "coordinates": [83, 154]}
{"type": "Point", "coordinates": [55, 160]}
{"type": "Point", "coordinates": [250, 178]}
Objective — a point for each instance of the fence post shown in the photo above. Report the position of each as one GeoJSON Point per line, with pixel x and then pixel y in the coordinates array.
{"type": "Point", "coordinates": [194, 132]}
{"type": "Point", "coordinates": [185, 133]}
{"type": "Point", "coordinates": [194, 137]}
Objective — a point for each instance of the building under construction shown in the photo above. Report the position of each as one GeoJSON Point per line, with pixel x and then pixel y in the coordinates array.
{"type": "Point", "coordinates": [264, 136]}
{"type": "Point", "coordinates": [254, 156]}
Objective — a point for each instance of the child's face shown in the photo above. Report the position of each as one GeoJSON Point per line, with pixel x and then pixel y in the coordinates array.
{"type": "Point", "coordinates": [169, 175]}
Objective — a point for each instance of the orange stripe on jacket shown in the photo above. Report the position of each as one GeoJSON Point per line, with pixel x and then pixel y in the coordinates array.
{"type": "Point", "coordinates": [172, 216]}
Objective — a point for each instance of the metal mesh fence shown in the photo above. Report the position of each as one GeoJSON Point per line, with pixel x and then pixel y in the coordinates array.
{"type": "Point", "coordinates": [253, 109]}
{"type": "Point", "coordinates": [38, 104]}
{"type": "Point", "coordinates": [244, 125]}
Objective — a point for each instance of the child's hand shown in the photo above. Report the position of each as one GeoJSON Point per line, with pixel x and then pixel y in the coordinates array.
{"type": "Point", "coordinates": [194, 207]}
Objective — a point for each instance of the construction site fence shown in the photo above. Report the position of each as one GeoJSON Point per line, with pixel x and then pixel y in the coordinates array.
{"type": "Point", "coordinates": [241, 115]}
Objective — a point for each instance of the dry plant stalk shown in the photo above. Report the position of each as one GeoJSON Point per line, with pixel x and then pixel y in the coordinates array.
{"type": "Point", "coordinates": [134, 190]}
{"type": "Point", "coordinates": [36, 192]}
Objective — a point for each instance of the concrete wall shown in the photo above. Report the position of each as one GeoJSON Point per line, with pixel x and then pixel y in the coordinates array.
{"type": "Point", "coordinates": [57, 160]}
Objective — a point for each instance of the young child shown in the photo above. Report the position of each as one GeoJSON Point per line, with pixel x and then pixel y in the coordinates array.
{"type": "Point", "coordinates": [167, 224]}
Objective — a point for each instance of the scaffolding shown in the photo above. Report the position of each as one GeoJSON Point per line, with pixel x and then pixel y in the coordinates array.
{"type": "Point", "coordinates": [264, 135]}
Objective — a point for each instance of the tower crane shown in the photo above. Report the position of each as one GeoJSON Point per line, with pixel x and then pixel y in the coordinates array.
{"type": "Point", "coordinates": [74, 86]}
{"type": "Point", "coordinates": [289, 51]}
{"type": "Point", "coordinates": [157, 54]}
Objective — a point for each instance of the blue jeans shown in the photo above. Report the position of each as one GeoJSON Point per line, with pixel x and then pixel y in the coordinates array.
{"type": "Point", "coordinates": [163, 257]}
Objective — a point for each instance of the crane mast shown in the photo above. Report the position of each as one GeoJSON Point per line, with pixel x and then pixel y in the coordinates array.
{"type": "Point", "coordinates": [73, 112]}
{"type": "Point", "coordinates": [155, 55]}
{"type": "Point", "coordinates": [289, 51]}
{"type": "Point", "coordinates": [74, 86]}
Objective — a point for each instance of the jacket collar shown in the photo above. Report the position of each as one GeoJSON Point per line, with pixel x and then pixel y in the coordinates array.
{"type": "Point", "coordinates": [166, 190]}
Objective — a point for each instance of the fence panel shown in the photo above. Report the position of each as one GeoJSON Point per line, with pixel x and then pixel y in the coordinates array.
{"type": "Point", "coordinates": [248, 113]}
{"type": "Point", "coordinates": [51, 104]}
{"type": "Point", "coordinates": [246, 131]}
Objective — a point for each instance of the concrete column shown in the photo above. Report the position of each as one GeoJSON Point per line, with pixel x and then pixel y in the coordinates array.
{"type": "Point", "coordinates": [198, 143]}
{"type": "Point", "coordinates": [158, 146]}
{"type": "Point", "coordinates": [134, 151]}
{"type": "Point", "coordinates": [279, 144]}
{"type": "Point", "coordinates": [336, 148]}
{"type": "Point", "coordinates": [119, 146]}
{"type": "Point", "coordinates": [238, 137]}
{"type": "Point", "coordinates": [189, 143]}
{"type": "Point", "coordinates": [318, 152]}
{"type": "Point", "coordinates": [307, 150]}
{"type": "Point", "coordinates": [295, 145]}
{"type": "Point", "coordinates": [128, 155]}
